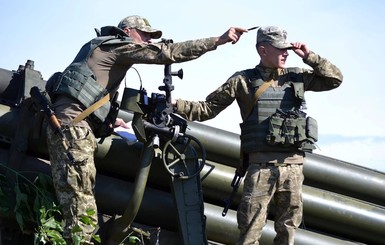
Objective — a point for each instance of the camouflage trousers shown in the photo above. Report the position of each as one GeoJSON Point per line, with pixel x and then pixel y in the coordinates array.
{"type": "Point", "coordinates": [74, 181]}
{"type": "Point", "coordinates": [264, 183]}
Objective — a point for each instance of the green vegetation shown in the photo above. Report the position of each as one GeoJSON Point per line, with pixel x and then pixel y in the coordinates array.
{"type": "Point", "coordinates": [34, 206]}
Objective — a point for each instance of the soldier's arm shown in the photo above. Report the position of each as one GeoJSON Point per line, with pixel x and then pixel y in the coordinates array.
{"type": "Point", "coordinates": [165, 53]}
{"type": "Point", "coordinates": [324, 76]}
{"type": "Point", "coordinates": [215, 102]}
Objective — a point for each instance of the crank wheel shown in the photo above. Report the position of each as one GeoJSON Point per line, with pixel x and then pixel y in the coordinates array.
{"type": "Point", "coordinates": [185, 159]}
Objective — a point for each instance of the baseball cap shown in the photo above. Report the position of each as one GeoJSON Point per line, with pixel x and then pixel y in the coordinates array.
{"type": "Point", "coordinates": [273, 35]}
{"type": "Point", "coordinates": [140, 23]}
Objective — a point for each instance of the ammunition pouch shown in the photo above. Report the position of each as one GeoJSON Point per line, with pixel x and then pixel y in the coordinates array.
{"type": "Point", "coordinates": [311, 129]}
{"type": "Point", "coordinates": [291, 128]}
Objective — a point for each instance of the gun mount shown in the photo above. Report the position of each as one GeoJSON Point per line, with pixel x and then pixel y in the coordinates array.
{"type": "Point", "coordinates": [183, 155]}
{"type": "Point", "coordinates": [155, 121]}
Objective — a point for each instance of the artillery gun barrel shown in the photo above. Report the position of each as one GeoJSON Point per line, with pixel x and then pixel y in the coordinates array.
{"type": "Point", "coordinates": [320, 171]}
{"type": "Point", "coordinates": [223, 147]}
{"type": "Point", "coordinates": [113, 195]}
{"type": "Point", "coordinates": [347, 218]}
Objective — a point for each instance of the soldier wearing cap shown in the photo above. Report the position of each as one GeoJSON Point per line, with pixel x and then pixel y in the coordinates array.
{"type": "Point", "coordinates": [275, 132]}
{"type": "Point", "coordinates": [96, 72]}
{"type": "Point", "coordinates": [139, 23]}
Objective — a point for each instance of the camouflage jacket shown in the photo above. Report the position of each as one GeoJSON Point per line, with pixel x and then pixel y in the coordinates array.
{"type": "Point", "coordinates": [110, 62]}
{"type": "Point", "coordinates": [324, 76]}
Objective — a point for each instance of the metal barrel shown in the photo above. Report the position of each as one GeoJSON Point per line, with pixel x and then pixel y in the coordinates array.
{"type": "Point", "coordinates": [223, 147]}
{"type": "Point", "coordinates": [351, 220]}
{"type": "Point", "coordinates": [219, 229]}
{"type": "Point", "coordinates": [113, 196]}
{"type": "Point", "coordinates": [324, 211]}
{"type": "Point", "coordinates": [320, 171]}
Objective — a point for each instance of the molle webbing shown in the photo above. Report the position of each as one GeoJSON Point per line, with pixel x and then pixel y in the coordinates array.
{"type": "Point", "coordinates": [274, 98]}
{"type": "Point", "coordinates": [255, 129]}
{"type": "Point", "coordinates": [288, 96]}
{"type": "Point", "coordinates": [79, 82]}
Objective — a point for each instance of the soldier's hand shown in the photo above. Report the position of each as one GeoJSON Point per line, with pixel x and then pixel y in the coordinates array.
{"type": "Point", "coordinates": [121, 123]}
{"type": "Point", "coordinates": [301, 49]}
{"type": "Point", "coordinates": [232, 35]}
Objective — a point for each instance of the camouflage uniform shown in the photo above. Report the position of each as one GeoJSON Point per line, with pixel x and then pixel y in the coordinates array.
{"type": "Point", "coordinates": [271, 175]}
{"type": "Point", "coordinates": [262, 183]}
{"type": "Point", "coordinates": [74, 182]}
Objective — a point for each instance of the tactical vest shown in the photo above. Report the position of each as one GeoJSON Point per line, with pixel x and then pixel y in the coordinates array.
{"type": "Point", "coordinates": [277, 123]}
{"type": "Point", "coordinates": [79, 82]}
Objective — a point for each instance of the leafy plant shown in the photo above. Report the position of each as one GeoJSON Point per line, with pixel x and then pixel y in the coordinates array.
{"type": "Point", "coordinates": [132, 239]}
{"type": "Point", "coordinates": [76, 230]}
{"type": "Point", "coordinates": [35, 207]}
{"type": "Point", "coordinates": [49, 230]}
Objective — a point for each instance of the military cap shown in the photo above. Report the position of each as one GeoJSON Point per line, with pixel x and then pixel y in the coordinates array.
{"type": "Point", "coordinates": [140, 23]}
{"type": "Point", "coordinates": [274, 36]}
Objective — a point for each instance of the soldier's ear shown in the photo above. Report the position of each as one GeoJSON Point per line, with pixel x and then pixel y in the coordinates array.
{"type": "Point", "coordinates": [127, 31]}
{"type": "Point", "coordinates": [261, 49]}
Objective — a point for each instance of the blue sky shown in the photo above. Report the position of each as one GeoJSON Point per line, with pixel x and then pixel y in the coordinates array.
{"type": "Point", "coordinates": [348, 33]}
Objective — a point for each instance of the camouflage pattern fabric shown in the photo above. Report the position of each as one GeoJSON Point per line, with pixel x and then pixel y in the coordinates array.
{"type": "Point", "coordinates": [138, 22]}
{"type": "Point", "coordinates": [324, 76]}
{"type": "Point", "coordinates": [273, 35]}
{"type": "Point", "coordinates": [74, 182]}
{"type": "Point", "coordinates": [126, 55]}
{"type": "Point", "coordinates": [263, 183]}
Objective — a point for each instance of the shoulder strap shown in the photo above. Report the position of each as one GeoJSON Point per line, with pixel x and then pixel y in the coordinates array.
{"type": "Point", "coordinates": [258, 94]}
{"type": "Point", "coordinates": [91, 109]}
{"type": "Point", "coordinates": [261, 90]}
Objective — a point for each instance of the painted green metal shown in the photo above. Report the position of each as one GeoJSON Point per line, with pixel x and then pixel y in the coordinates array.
{"type": "Point", "coordinates": [112, 154]}
{"type": "Point", "coordinates": [320, 171]}
{"type": "Point", "coordinates": [187, 194]}
{"type": "Point", "coordinates": [185, 163]}
{"type": "Point", "coordinates": [113, 196]}
{"type": "Point", "coordinates": [120, 227]}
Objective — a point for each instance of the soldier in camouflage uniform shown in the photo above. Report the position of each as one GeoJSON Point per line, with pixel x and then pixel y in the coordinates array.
{"type": "Point", "coordinates": [275, 132]}
{"type": "Point", "coordinates": [97, 70]}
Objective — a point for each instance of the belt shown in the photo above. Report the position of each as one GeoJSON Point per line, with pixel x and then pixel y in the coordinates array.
{"type": "Point", "coordinates": [265, 164]}
{"type": "Point", "coordinates": [271, 157]}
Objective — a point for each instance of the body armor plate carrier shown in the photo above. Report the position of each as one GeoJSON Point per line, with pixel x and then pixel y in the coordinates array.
{"type": "Point", "coordinates": [79, 82]}
{"type": "Point", "coordinates": [277, 122]}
